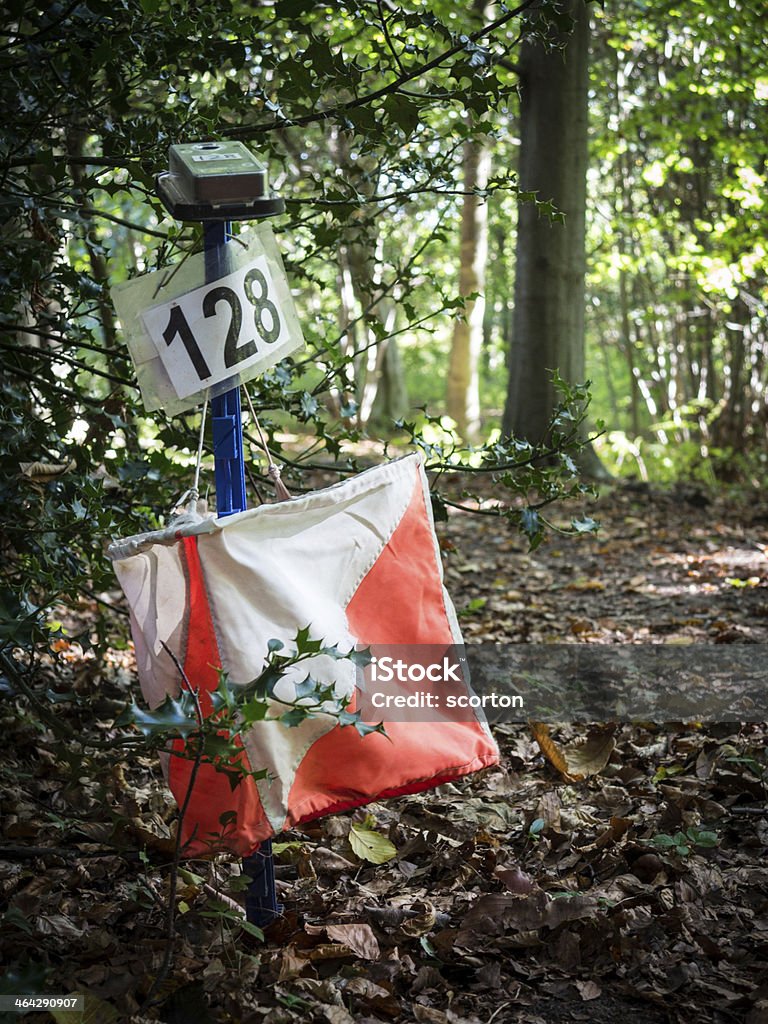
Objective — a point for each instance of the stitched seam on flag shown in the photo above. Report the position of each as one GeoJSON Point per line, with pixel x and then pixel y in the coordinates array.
{"type": "Point", "coordinates": [346, 598]}
{"type": "Point", "coordinates": [218, 633]}
{"type": "Point", "coordinates": [263, 785]}
{"type": "Point", "coordinates": [188, 616]}
{"type": "Point", "coordinates": [209, 610]}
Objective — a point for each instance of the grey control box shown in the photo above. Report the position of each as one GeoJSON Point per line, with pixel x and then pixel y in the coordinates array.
{"type": "Point", "coordinates": [217, 172]}
{"type": "Point", "coordinates": [216, 181]}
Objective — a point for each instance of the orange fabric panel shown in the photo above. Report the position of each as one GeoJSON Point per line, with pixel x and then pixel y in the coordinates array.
{"type": "Point", "coordinates": [212, 796]}
{"type": "Point", "coordinates": [400, 601]}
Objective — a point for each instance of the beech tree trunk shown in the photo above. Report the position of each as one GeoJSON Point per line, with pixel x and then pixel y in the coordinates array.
{"type": "Point", "coordinates": [548, 323]}
{"type": "Point", "coordinates": [463, 398]}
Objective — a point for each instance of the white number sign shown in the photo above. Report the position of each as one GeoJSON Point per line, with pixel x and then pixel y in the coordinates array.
{"type": "Point", "coordinates": [208, 334]}
{"type": "Point", "coordinates": [189, 340]}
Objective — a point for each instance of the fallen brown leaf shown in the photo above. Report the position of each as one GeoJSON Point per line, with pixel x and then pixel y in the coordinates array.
{"type": "Point", "coordinates": [359, 938]}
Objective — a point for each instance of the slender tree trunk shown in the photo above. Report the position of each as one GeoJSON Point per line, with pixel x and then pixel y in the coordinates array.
{"type": "Point", "coordinates": [627, 345]}
{"type": "Point", "coordinates": [548, 331]}
{"type": "Point", "coordinates": [382, 393]}
{"type": "Point", "coordinates": [605, 351]}
{"type": "Point", "coordinates": [463, 399]}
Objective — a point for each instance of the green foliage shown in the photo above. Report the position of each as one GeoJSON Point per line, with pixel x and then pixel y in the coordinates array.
{"type": "Point", "coordinates": [683, 843]}
{"type": "Point", "coordinates": [360, 112]}
{"type": "Point", "coordinates": [526, 478]}
{"type": "Point", "coordinates": [678, 278]}
{"type": "Point", "coordinates": [370, 845]}
{"type": "Point", "coordinates": [535, 829]}
{"type": "Point", "coordinates": [217, 738]}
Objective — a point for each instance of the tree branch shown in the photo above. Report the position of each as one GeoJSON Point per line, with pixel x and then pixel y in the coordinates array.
{"type": "Point", "coordinates": [246, 131]}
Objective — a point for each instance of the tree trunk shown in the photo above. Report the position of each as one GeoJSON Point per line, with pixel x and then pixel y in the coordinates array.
{"type": "Point", "coordinates": [548, 331]}
{"type": "Point", "coordinates": [463, 399]}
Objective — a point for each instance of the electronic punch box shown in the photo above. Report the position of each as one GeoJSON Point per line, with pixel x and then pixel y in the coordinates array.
{"type": "Point", "coordinates": [216, 181]}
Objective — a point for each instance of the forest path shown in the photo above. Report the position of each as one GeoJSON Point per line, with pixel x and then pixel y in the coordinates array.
{"type": "Point", "coordinates": [677, 566]}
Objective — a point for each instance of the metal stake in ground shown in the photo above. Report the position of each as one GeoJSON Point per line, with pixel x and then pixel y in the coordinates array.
{"type": "Point", "coordinates": [217, 183]}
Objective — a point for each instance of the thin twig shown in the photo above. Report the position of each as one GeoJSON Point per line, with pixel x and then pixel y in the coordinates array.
{"type": "Point", "coordinates": [171, 915]}
{"type": "Point", "coordinates": [78, 364]}
{"type": "Point", "coordinates": [388, 38]}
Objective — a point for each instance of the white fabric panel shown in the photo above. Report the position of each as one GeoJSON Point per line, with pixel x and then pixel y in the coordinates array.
{"type": "Point", "coordinates": [279, 568]}
{"type": "Point", "coordinates": [154, 583]}
{"type": "Point", "coordinates": [270, 745]}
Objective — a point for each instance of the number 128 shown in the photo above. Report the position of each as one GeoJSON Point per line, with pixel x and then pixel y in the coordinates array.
{"type": "Point", "coordinates": [234, 352]}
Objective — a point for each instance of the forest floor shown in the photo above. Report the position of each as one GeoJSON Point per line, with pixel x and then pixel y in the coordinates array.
{"type": "Point", "coordinates": [635, 894]}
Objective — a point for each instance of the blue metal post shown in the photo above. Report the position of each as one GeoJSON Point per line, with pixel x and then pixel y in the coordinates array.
{"type": "Point", "coordinates": [260, 899]}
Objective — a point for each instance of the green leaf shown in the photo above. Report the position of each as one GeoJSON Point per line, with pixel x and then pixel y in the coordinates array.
{"type": "Point", "coordinates": [308, 405]}
{"type": "Point", "coordinates": [305, 644]}
{"type": "Point", "coordinates": [585, 525]}
{"type": "Point", "coordinates": [348, 717]}
{"type": "Point", "coordinates": [14, 917]}
{"type": "Point", "coordinates": [475, 605]}
{"type": "Point", "coordinates": [530, 523]}
{"type": "Point", "coordinates": [664, 842]}
{"type": "Point", "coordinates": [254, 711]}
{"type": "Point", "coordinates": [172, 716]}
{"type": "Point", "coordinates": [295, 717]}
{"type": "Point", "coordinates": [307, 688]}
{"type": "Point", "coordinates": [403, 112]}
{"type": "Point", "coordinates": [252, 929]}
{"type": "Point", "coordinates": [704, 839]}
{"type": "Point", "coordinates": [371, 846]}
{"type": "Point", "coordinates": [225, 694]}
{"type": "Point", "coordinates": [190, 877]}
{"type": "Point", "coordinates": [365, 729]}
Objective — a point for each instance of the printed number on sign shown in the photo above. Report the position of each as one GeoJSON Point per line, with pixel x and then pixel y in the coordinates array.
{"type": "Point", "coordinates": [262, 304]}
{"type": "Point", "coordinates": [234, 351]}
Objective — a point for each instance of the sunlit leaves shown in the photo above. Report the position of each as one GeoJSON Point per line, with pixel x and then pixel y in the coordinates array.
{"type": "Point", "coordinates": [527, 477]}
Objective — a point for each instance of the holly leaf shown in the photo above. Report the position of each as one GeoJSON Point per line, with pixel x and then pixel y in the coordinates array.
{"type": "Point", "coordinates": [585, 525]}
{"type": "Point", "coordinates": [295, 717]}
{"type": "Point", "coordinates": [172, 716]}
{"type": "Point", "coordinates": [365, 729]}
{"type": "Point", "coordinates": [308, 687]}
